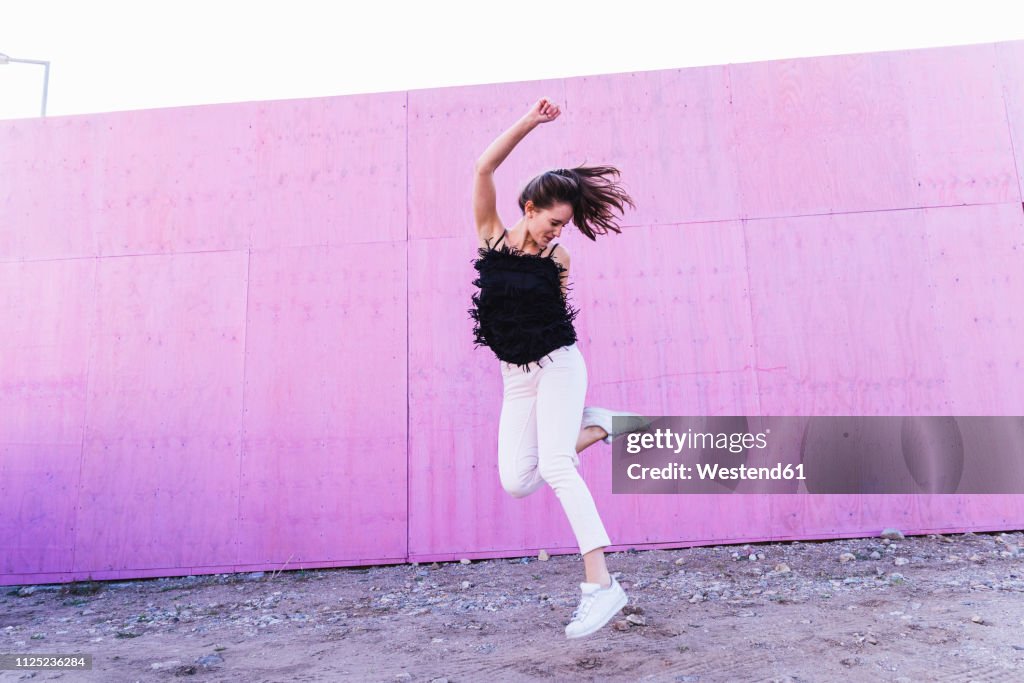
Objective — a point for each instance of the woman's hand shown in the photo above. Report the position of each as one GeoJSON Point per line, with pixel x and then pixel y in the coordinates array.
{"type": "Point", "coordinates": [544, 111]}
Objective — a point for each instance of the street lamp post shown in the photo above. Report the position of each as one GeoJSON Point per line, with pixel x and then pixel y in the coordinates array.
{"type": "Point", "coordinates": [4, 59]}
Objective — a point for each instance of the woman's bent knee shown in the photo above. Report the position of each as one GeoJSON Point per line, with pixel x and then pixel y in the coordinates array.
{"type": "Point", "coordinates": [517, 487]}
{"type": "Point", "coordinates": [516, 490]}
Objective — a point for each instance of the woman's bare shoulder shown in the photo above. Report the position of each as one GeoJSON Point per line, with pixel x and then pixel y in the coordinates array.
{"type": "Point", "coordinates": [561, 254]}
{"type": "Point", "coordinates": [490, 235]}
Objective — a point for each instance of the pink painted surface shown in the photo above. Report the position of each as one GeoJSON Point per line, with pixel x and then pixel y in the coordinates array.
{"type": "Point", "coordinates": [1009, 57]}
{"type": "Point", "coordinates": [235, 336]}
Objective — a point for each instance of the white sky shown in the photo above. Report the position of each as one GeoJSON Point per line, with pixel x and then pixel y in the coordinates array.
{"type": "Point", "coordinates": [109, 55]}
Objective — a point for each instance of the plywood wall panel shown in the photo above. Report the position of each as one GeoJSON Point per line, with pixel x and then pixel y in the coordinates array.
{"type": "Point", "coordinates": [39, 484]}
{"type": "Point", "coordinates": [667, 308]}
{"type": "Point", "coordinates": [51, 182]}
{"type": "Point", "coordinates": [976, 264]}
{"type": "Point", "coordinates": [822, 135]}
{"type": "Point", "coordinates": [172, 180]}
{"type": "Point", "coordinates": [323, 474]}
{"type": "Point", "coordinates": [669, 132]}
{"type": "Point", "coordinates": [843, 311]}
{"type": "Point", "coordinates": [1009, 56]}
{"type": "Point", "coordinates": [328, 171]}
{"type": "Point", "coordinates": [48, 314]}
{"type": "Point", "coordinates": [958, 134]}
{"type": "Point", "coordinates": [162, 441]}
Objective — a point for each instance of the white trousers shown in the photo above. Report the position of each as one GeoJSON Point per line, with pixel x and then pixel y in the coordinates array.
{"type": "Point", "coordinates": [540, 422]}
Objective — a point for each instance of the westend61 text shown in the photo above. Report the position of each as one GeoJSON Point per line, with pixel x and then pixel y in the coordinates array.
{"type": "Point", "coordinates": [713, 472]}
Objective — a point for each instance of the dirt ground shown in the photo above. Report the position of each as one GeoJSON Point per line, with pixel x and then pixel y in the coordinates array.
{"type": "Point", "coordinates": [935, 608]}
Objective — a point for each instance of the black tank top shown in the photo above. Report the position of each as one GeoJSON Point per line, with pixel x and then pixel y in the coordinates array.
{"type": "Point", "coordinates": [520, 313]}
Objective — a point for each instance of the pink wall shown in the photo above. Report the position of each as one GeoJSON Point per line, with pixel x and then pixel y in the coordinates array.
{"type": "Point", "coordinates": [235, 336]}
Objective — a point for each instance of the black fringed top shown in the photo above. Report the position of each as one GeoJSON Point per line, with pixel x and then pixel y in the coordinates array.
{"type": "Point", "coordinates": [520, 312]}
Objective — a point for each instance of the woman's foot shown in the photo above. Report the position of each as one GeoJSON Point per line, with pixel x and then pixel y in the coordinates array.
{"type": "Point", "coordinates": [588, 436]}
{"type": "Point", "coordinates": [597, 606]}
{"type": "Point", "coordinates": [602, 417]}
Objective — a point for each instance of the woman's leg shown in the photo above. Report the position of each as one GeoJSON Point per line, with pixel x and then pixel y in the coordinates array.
{"type": "Point", "coordinates": [595, 569]}
{"type": "Point", "coordinates": [559, 413]}
{"type": "Point", "coordinates": [517, 433]}
{"type": "Point", "coordinates": [594, 566]}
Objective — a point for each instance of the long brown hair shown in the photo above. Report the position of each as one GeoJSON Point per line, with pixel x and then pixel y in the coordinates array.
{"type": "Point", "coordinates": [588, 189]}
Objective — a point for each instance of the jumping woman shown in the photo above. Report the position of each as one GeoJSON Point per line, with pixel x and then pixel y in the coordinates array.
{"type": "Point", "coordinates": [523, 315]}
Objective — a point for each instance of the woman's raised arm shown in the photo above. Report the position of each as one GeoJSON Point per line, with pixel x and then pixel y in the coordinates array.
{"type": "Point", "coordinates": [485, 209]}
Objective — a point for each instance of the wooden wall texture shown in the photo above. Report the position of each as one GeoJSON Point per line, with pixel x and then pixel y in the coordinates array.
{"type": "Point", "coordinates": [234, 337]}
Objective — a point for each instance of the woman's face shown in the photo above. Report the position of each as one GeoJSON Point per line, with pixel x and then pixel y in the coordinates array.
{"type": "Point", "coordinates": [546, 224]}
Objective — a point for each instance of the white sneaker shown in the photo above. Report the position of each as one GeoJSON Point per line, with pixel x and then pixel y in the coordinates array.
{"type": "Point", "coordinates": [596, 608]}
{"type": "Point", "coordinates": [602, 417]}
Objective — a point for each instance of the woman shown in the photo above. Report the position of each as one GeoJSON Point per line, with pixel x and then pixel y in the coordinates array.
{"type": "Point", "coordinates": [522, 313]}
